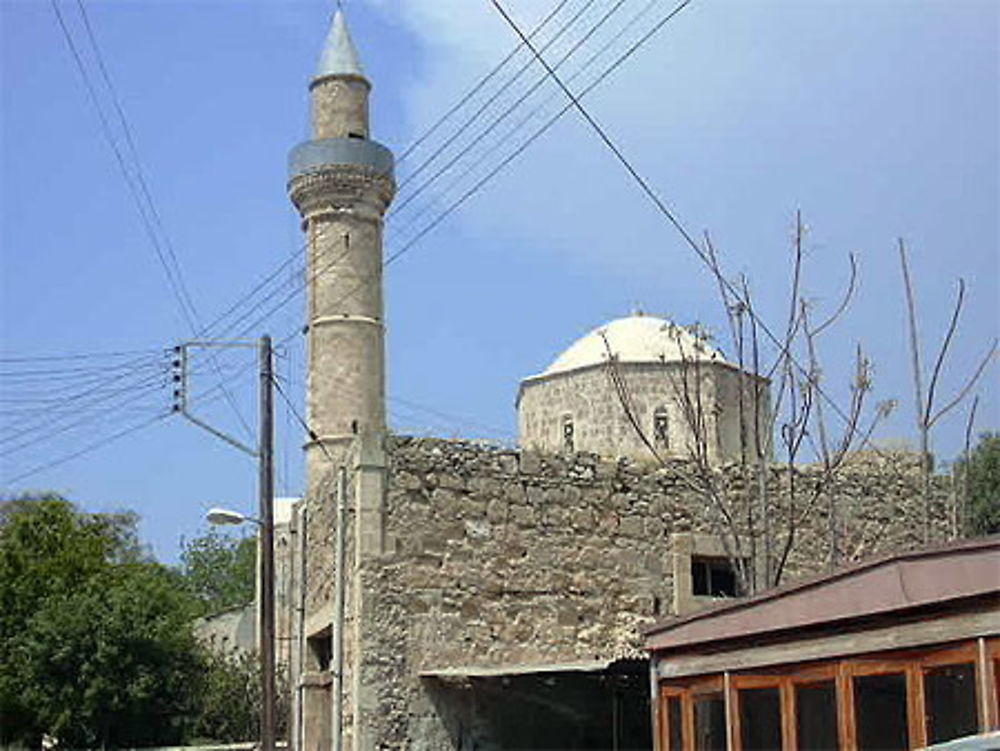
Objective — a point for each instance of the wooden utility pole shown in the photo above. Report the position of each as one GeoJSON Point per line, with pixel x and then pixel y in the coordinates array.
{"type": "Point", "coordinates": [266, 489]}
{"type": "Point", "coordinates": [265, 517]}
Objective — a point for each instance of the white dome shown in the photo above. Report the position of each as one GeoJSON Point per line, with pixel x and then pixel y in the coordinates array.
{"type": "Point", "coordinates": [637, 338]}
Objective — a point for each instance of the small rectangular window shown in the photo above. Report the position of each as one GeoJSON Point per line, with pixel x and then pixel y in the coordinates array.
{"type": "Point", "coordinates": [710, 723]}
{"type": "Point", "coordinates": [713, 577]}
{"type": "Point", "coordinates": [880, 704]}
{"type": "Point", "coordinates": [816, 716]}
{"type": "Point", "coordinates": [760, 719]}
{"type": "Point", "coordinates": [950, 698]}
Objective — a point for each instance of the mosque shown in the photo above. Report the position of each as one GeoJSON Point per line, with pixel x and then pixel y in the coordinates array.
{"type": "Point", "coordinates": [446, 595]}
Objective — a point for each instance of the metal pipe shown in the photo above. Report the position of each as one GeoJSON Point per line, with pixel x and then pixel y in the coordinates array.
{"type": "Point", "coordinates": [300, 627]}
{"type": "Point", "coordinates": [337, 661]}
{"type": "Point", "coordinates": [266, 490]}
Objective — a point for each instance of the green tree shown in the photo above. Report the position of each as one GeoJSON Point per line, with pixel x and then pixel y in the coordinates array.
{"type": "Point", "coordinates": [229, 699]}
{"type": "Point", "coordinates": [96, 645]}
{"type": "Point", "coordinates": [980, 480]}
{"type": "Point", "coordinates": [220, 571]}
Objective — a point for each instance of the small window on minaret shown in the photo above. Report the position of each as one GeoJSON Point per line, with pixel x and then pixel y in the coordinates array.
{"type": "Point", "coordinates": [567, 427]}
{"type": "Point", "coordinates": [358, 136]}
{"type": "Point", "coordinates": [661, 428]}
{"type": "Point", "coordinates": [347, 240]}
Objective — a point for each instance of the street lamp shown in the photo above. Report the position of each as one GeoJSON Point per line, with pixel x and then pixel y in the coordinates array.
{"type": "Point", "coordinates": [223, 516]}
{"type": "Point", "coordinates": [265, 610]}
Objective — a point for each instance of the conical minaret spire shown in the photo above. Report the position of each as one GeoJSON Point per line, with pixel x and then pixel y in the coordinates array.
{"type": "Point", "coordinates": [340, 89]}
{"type": "Point", "coordinates": [340, 56]}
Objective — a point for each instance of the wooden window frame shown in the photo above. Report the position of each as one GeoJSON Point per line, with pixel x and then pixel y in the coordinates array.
{"type": "Point", "coordinates": [983, 653]}
{"type": "Point", "coordinates": [989, 680]}
{"type": "Point", "coordinates": [688, 691]}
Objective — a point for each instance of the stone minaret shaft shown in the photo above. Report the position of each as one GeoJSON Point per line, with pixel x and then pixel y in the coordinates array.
{"type": "Point", "coordinates": [342, 183]}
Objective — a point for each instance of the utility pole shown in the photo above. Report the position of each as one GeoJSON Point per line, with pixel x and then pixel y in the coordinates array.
{"type": "Point", "coordinates": [265, 459]}
{"type": "Point", "coordinates": [266, 489]}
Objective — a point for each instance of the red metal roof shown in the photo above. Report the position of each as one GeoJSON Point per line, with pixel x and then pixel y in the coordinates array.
{"type": "Point", "coordinates": [875, 588]}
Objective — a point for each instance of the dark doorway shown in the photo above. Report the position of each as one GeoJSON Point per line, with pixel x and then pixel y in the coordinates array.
{"type": "Point", "coordinates": [565, 710]}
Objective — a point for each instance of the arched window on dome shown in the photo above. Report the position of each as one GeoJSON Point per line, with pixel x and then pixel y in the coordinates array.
{"type": "Point", "coordinates": [661, 428]}
{"type": "Point", "coordinates": [567, 433]}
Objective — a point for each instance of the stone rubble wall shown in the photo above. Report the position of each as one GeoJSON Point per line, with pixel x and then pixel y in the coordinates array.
{"type": "Point", "coordinates": [496, 557]}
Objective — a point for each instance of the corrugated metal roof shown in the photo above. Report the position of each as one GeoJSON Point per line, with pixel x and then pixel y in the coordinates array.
{"type": "Point", "coordinates": [877, 588]}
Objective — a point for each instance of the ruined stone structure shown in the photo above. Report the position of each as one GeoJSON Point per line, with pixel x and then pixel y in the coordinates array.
{"type": "Point", "coordinates": [452, 596]}
{"type": "Point", "coordinates": [574, 406]}
{"type": "Point", "coordinates": [506, 608]}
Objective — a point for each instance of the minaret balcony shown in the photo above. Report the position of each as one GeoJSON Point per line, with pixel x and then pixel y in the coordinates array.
{"type": "Point", "coordinates": [331, 153]}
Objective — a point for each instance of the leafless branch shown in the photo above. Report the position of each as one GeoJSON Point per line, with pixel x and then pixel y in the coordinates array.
{"type": "Point", "coordinates": [848, 294]}
{"type": "Point", "coordinates": [911, 312]}
{"type": "Point", "coordinates": [943, 352]}
{"type": "Point", "coordinates": [964, 392]}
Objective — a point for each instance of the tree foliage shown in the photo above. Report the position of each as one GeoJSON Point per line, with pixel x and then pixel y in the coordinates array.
{"type": "Point", "coordinates": [230, 699]}
{"type": "Point", "coordinates": [980, 478]}
{"type": "Point", "coordinates": [220, 571]}
{"type": "Point", "coordinates": [96, 646]}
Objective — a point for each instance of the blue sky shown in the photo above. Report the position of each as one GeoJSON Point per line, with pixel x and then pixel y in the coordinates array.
{"type": "Point", "coordinates": [878, 119]}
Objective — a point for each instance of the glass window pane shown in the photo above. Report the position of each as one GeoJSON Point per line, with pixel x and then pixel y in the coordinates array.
{"type": "Point", "coordinates": [699, 576]}
{"type": "Point", "coordinates": [816, 716]}
{"type": "Point", "coordinates": [760, 719]}
{"type": "Point", "coordinates": [950, 698]}
{"type": "Point", "coordinates": [880, 704]}
{"type": "Point", "coordinates": [674, 726]}
{"type": "Point", "coordinates": [723, 580]}
{"type": "Point", "coordinates": [710, 723]}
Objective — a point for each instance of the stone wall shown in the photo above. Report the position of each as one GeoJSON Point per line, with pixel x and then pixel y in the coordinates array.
{"type": "Point", "coordinates": [500, 558]}
{"type": "Point", "coordinates": [587, 397]}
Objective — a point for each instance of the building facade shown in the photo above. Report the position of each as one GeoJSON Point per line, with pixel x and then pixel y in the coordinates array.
{"type": "Point", "coordinates": [676, 386]}
{"type": "Point", "coordinates": [895, 653]}
{"type": "Point", "coordinates": [448, 595]}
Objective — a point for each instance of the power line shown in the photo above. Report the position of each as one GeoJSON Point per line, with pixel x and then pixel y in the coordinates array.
{"type": "Point", "coordinates": [424, 231]}
{"type": "Point", "coordinates": [475, 89]}
{"type": "Point", "coordinates": [145, 387]}
{"type": "Point", "coordinates": [188, 303]}
{"type": "Point", "coordinates": [175, 284]}
{"type": "Point", "coordinates": [300, 287]}
{"type": "Point", "coordinates": [85, 450]}
{"type": "Point", "coordinates": [506, 113]}
{"type": "Point", "coordinates": [784, 348]}
{"type": "Point", "coordinates": [454, 420]}
{"type": "Point", "coordinates": [79, 356]}
{"type": "Point", "coordinates": [96, 384]}
{"type": "Point", "coordinates": [245, 298]}
{"type": "Point", "coordinates": [305, 426]}
{"type": "Point", "coordinates": [510, 82]}
{"type": "Point", "coordinates": [146, 208]}
{"type": "Point", "coordinates": [412, 241]}
{"type": "Point", "coordinates": [505, 138]}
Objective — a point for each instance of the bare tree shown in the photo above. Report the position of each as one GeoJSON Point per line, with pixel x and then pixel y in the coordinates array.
{"type": "Point", "coordinates": [757, 527]}
{"type": "Point", "coordinates": [927, 412]}
{"type": "Point", "coordinates": [961, 507]}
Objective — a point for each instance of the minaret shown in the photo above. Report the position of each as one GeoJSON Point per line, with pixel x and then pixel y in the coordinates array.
{"type": "Point", "coordinates": [342, 183]}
